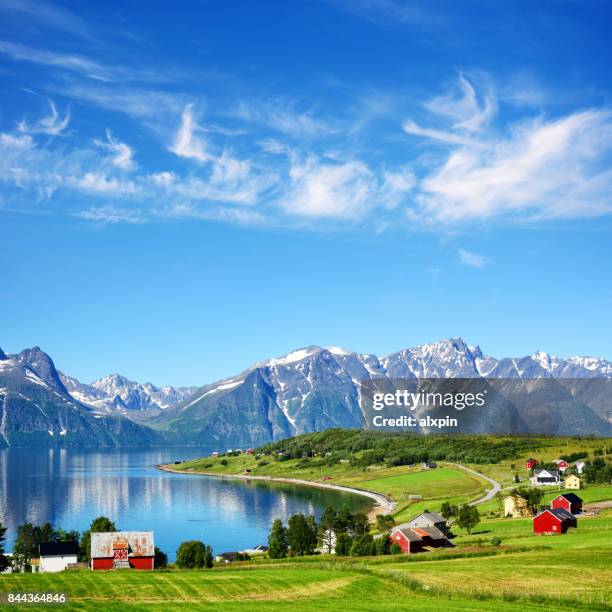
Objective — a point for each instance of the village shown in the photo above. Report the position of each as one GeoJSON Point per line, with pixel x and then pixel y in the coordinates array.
{"type": "Point", "coordinates": [338, 531]}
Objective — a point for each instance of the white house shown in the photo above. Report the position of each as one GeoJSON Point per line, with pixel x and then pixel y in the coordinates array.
{"type": "Point", "coordinates": [545, 477]}
{"type": "Point", "coordinates": [579, 466]}
{"type": "Point", "coordinates": [256, 550]}
{"type": "Point", "coordinates": [55, 556]}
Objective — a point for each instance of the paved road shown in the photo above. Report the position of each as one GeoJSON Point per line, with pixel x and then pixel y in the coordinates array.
{"type": "Point", "coordinates": [490, 494]}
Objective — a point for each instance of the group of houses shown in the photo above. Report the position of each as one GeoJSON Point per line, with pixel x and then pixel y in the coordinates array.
{"type": "Point", "coordinates": [551, 477]}
{"type": "Point", "coordinates": [560, 516]}
{"type": "Point", "coordinates": [112, 550]}
{"type": "Point", "coordinates": [557, 518]}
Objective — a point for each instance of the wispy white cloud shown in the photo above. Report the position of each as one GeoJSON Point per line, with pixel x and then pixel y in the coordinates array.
{"type": "Point", "coordinates": [471, 259]}
{"type": "Point", "coordinates": [51, 124]}
{"type": "Point", "coordinates": [80, 64]}
{"type": "Point", "coordinates": [464, 106]}
{"type": "Point", "coordinates": [410, 127]}
{"type": "Point", "coordinates": [344, 190]}
{"type": "Point", "coordinates": [393, 12]}
{"type": "Point", "coordinates": [121, 153]}
{"type": "Point", "coordinates": [110, 214]}
{"type": "Point", "coordinates": [48, 15]}
{"type": "Point", "coordinates": [143, 104]}
{"type": "Point", "coordinates": [282, 116]}
{"type": "Point", "coordinates": [187, 142]}
{"type": "Point", "coordinates": [97, 182]}
{"type": "Point", "coordinates": [542, 169]}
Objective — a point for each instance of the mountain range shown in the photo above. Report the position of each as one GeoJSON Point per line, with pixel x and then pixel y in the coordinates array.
{"type": "Point", "coordinates": [310, 389]}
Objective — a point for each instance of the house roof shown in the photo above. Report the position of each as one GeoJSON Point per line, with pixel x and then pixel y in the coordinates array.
{"type": "Point", "coordinates": [571, 497]}
{"type": "Point", "coordinates": [559, 513]}
{"type": "Point", "coordinates": [410, 534]}
{"type": "Point", "coordinates": [546, 473]}
{"type": "Point", "coordinates": [139, 543]}
{"type": "Point", "coordinates": [50, 549]}
{"type": "Point", "coordinates": [416, 534]}
{"type": "Point", "coordinates": [433, 517]}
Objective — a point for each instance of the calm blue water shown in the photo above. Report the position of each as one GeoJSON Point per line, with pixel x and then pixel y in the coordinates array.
{"type": "Point", "coordinates": [70, 487]}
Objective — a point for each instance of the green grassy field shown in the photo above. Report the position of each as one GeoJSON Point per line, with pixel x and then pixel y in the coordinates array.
{"type": "Point", "coordinates": [526, 572]}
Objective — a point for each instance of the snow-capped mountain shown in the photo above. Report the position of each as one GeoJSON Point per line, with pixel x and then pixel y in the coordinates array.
{"type": "Point", "coordinates": [306, 390]}
{"type": "Point", "coordinates": [37, 410]}
{"type": "Point", "coordinates": [315, 388]}
{"type": "Point", "coordinates": [115, 392]}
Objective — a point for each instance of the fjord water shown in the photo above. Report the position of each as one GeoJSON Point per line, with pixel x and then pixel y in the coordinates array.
{"type": "Point", "coordinates": [70, 487]}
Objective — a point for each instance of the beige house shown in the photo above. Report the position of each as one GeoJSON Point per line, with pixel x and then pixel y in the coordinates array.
{"type": "Point", "coordinates": [572, 482]}
{"type": "Point", "coordinates": [516, 507]}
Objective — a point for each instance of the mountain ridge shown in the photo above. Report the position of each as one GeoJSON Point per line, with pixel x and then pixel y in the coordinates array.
{"type": "Point", "coordinates": [315, 388]}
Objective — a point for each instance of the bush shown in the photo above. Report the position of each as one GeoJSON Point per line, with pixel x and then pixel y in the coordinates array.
{"type": "Point", "coordinates": [194, 554]}
{"type": "Point", "coordinates": [223, 462]}
{"type": "Point", "coordinates": [161, 559]}
{"type": "Point", "coordinates": [496, 540]}
{"type": "Point", "coordinates": [395, 549]}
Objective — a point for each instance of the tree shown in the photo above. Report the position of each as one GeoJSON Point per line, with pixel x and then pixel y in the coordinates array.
{"type": "Point", "coordinates": [194, 554]}
{"type": "Point", "coordinates": [277, 540]}
{"type": "Point", "coordinates": [361, 524]}
{"type": "Point", "coordinates": [326, 531]}
{"type": "Point", "coordinates": [160, 559]}
{"type": "Point", "coordinates": [384, 522]}
{"type": "Point", "coordinates": [533, 497]}
{"type": "Point", "coordinates": [467, 517]}
{"type": "Point", "coordinates": [299, 535]}
{"type": "Point", "coordinates": [25, 547]}
{"type": "Point", "coordinates": [4, 562]}
{"type": "Point", "coordinates": [383, 545]}
{"type": "Point", "coordinates": [102, 524]}
{"type": "Point", "coordinates": [447, 510]}
{"type": "Point", "coordinates": [395, 549]}
{"type": "Point", "coordinates": [343, 544]}
{"type": "Point", "coordinates": [66, 536]}
{"type": "Point", "coordinates": [344, 520]}
{"type": "Point", "coordinates": [363, 546]}
{"type": "Point", "coordinates": [313, 534]}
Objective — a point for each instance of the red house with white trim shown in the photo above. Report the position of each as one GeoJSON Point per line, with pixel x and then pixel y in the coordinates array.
{"type": "Point", "coordinates": [531, 463]}
{"type": "Point", "coordinates": [568, 501]}
{"type": "Point", "coordinates": [561, 464]}
{"type": "Point", "coordinates": [553, 521]}
{"type": "Point", "coordinates": [122, 550]}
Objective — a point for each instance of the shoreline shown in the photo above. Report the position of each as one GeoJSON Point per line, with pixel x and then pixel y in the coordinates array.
{"type": "Point", "coordinates": [383, 504]}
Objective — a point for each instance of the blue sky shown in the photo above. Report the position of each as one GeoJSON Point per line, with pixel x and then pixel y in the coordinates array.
{"type": "Point", "coordinates": [186, 189]}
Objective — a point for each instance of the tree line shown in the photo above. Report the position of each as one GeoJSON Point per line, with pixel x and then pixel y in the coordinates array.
{"type": "Point", "coordinates": [362, 448]}
{"type": "Point", "coordinates": [341, 532]}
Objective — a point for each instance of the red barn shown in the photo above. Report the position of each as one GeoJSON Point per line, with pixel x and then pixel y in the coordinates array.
{"type": "Point", "coordinates": [418, 539]}
{"type": "Point", "coordinates": [561, 464]}
{"type": "Point", "coordinates": [568, 501]}
{"type": "Point", "coordinates": [553, 521]}
{"type": "Point", "coordinates": [122, 549]}
{"type": "Point", "coordinates": [531, 463]}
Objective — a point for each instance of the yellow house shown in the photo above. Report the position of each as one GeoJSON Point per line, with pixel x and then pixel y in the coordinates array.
{"type": "Point", "coordinates": [572, 482]}
{"type": "Point", "coordinates": [515, 507]}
